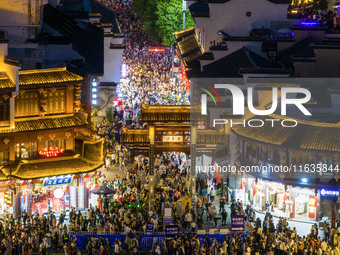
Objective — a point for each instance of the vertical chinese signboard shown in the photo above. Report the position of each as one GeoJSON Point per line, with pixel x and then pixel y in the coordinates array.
{"type": "Point", "coordinates": [312, 204]}
{"type": "Point", "coordinates": [237, 223]}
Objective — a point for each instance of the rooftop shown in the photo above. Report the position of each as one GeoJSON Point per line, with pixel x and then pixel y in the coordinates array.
{"type": "Point", "coordinates": [158, 113]}
{"type": "Point", "coordinates": [34, 169]}
{"type": "Point", "coordinates": [45, 123]}
{"type": "Point", "coordinates": [188, 44]}
{"type": "Point", "coordinates": [232, 64]}
{"type": "Point", "coordinates": [5, 81]}
{"type": "Point", "coordinates": [47, 76]}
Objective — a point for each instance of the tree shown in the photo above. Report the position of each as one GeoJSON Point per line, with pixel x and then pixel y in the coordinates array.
{"type": "Point", "coordinates": [109, 114]}
{"type": "Point", "coordinates": [161, 18]}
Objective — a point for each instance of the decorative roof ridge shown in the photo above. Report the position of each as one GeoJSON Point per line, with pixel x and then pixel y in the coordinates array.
{"type": "Point", "coordinates": [45, 70]}
{"type": "Point", "coordinates": [45, 117]}
{"type": "Point", "coordinates": [12, 61]}
{"type": "Point", "coordinates": [48, 70]}
{"type": "Point", "coordinates": [146, 107]}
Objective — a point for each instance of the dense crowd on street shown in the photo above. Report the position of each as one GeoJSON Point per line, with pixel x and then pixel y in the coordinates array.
{"type": "Point", "coordinates": [328, 18]}
{"type": "Point", "coordinates": [36, 233]}
{"type": "Point", "coordinates": [148, 77]}
{"type": "Point", "coordinates": [136, 203]}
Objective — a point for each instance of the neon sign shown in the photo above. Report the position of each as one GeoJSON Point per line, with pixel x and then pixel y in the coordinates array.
{"type": "Point", "coordinates": [330, 192]}
{"type": "Point", "coordinates": [312, 204]}
{"type": "Point", "coordinates": [51, 151]}
{"type": "Point", "coordinates": [156, 50]}
{"type": "Point", "coordinates": [309, 23]}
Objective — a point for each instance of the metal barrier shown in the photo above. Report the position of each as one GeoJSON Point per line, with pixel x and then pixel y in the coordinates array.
{"type": "Point", "coordinates": [145, 241]}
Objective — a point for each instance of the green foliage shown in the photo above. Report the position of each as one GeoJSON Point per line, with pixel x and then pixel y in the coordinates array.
{"type": "Point", "coordinates": [161, 18]}
{"type": "Point", "coordinates": [109, 114]}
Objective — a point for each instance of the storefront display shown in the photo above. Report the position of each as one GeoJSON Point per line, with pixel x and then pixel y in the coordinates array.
{"type": "Point", "coordinates": [312, 204]}
{"type": "Point", "coordinates": [56, 194]}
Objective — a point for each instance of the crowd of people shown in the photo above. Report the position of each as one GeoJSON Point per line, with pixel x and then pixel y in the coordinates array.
{"type": "Point", "coordinates": [36, 233]}
{"type": "Point", "coordinates": [327, 18]}
{"type": "Point", "coordinates": [136, 204]}
{"type": "Point", "coordinates": [149, 78]}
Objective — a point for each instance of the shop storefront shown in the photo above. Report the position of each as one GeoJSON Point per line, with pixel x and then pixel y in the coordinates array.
{"type": "Point", "coordinates": [329, 204]}
{"type": "Point", "coordinates": [6, 197]}
{"type": "Point", "coordinates": [291, 202]}
{"type": "Point", "coordinates": [304, 203]}
{"type": "Point", "coordinates": [55, 194]}
{"type": "Point", "coordinates": [258, 193]}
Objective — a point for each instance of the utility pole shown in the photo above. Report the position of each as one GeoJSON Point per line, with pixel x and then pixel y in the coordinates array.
{"type": "Point", "coordinates": [184, 5]}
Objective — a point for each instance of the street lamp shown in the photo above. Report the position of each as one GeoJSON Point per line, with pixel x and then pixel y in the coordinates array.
{"type": "Point", "coordinates": [184, 5]}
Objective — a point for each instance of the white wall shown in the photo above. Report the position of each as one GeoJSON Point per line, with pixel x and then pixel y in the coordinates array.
{"type": "Point", "coordinates": [231, 18]}
{"type": "Point", "coordinates": [112, 60]}
{"type": "Point", "coordinates": [19, 18]}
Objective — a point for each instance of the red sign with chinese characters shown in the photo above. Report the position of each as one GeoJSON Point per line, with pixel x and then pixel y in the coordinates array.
{"type": "Point", "coordinates": [51, 151]}
{"type": "Point", "coordinates": [156, 49]}
{"type": "Point", "coordinates": [312, 204]}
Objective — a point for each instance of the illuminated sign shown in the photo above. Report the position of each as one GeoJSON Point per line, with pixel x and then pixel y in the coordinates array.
{"type": "Point", "coordinates": [124, 70]}
{"type": "Point", "coordinates": [172, 138]}
{"type": "Point", "coordinates": [330, 193]}
{"type": "Point", "coordinates": [51, 151]}
{"type": "Point", "coordinates": [58, 193]}
{"type": "Point", "coordinates": [309, 23]}
{"type": "Point", "coordinates": [57, 181]}
{"type": "Point", "coordinates": [94, 91]}
{"type": "Point", "coordinates": [312, 204]}
{"type": "Point", "coordinates": [156, 50]}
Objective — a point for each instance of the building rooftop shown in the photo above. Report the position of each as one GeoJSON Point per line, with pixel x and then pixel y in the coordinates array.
{"type": "Point", "coordinates": [42, 168]}
{"type": "Point", "coordinates": [45, 123]}
{"type": "Point", "coordinates": [108, 16]}
{"type": "Point", "coordinates": [158, 113]}
{"type": "Point", "coordinates": [188, 44]}
{"type": "Point", "coordinates": [5, 81]}
{"type": "Point", "coordinates": [232, 64]}
{"type": "Point", "coordinates": [47, 76]}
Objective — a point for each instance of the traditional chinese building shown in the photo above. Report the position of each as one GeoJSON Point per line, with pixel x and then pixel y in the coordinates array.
{"type": "Point", "coordinates": [46, 143]}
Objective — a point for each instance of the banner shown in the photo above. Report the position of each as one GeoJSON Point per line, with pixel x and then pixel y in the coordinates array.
{"type": "Point", "coordinates": [167, 221]}
{"type": "Point", "coordinates": [57, 181]}
{"type": "Point", "coordinates": [145, 241]}
{"type": "Point", "coordinates": [237, 223]}
{"type": "Point", "coordinates": [171, 230]}
{"type": "Point", "coordinates": [149, 228]}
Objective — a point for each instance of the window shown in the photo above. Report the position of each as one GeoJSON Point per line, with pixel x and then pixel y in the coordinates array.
{"type": "Point", "coordinates": [56, 102]}
{"type": "Point", "coordinates": [25, 150]}
{"type": "Point", "coordinates": [27, 104]}
{"type": "Point", "coordinates": [4, 109]}
{"type": "Point", "coordinates": [54, 143]}
{"type": "Point", "coordinates": [4, 157]}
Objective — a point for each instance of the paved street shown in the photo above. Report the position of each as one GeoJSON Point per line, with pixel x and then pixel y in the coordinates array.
{"type": "Point", "coordinates": [303, 228]}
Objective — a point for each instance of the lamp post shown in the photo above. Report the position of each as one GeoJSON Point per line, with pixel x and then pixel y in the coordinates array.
{"type": "Point", "coordinates": [184, 5]}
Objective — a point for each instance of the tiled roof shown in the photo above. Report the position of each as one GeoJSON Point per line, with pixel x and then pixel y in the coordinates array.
{"type": "Point", "coordinates": [54, 167]}
{"type": "Point", "coordinates": [45, 123]}
{"type": "Point", "coordinates": [307, 135]}
{"type": "Point", "coordinates": [188, 44]}
{"type": "Point", "coordinates": [107, 15]}
{"type": "Point", "coordinates": [5, 82]}
{"type": "Point", "coordinates": [3, 176]}
{"type": "Point", "coordinates": [47, 76]}
{"type": "Point", "coordinates": [165, 113]}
